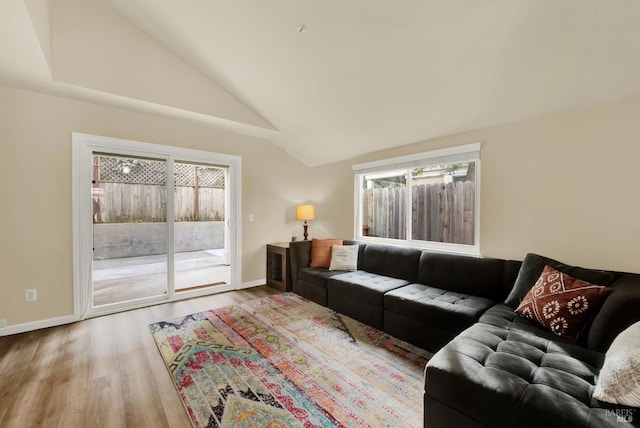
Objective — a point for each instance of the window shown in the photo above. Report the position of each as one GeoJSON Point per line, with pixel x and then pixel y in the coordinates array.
{"type": "Point", "coordinates": [429, 199]}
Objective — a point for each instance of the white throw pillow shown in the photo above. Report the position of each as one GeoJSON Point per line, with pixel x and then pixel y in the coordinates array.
{"type": "Point", "coordinates": [619, 380]}
{"type": "Point", "coordinates": [344, 257]}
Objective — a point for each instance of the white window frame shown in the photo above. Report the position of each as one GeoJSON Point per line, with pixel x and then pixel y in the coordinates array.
{"type": "Point", "coordinates": [83, 145]}
{"type": "Point", "coordinates": [464, 153]}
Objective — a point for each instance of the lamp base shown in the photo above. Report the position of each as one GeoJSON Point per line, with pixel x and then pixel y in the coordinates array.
{"type": "Point", "coordinates": [306, 233]}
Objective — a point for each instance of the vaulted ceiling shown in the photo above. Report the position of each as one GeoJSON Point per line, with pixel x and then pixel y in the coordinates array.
{"type": "Point", "coordinates": [328, 80]}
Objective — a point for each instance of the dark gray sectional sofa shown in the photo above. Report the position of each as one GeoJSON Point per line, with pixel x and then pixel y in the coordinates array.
{"type": "Point", "coordinates": [492, 367]}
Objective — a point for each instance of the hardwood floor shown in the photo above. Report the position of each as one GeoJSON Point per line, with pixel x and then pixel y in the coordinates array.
{"type": "Point", "coordinates": [101, 372]}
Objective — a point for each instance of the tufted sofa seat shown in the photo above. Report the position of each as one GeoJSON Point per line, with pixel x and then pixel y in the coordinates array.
{"type": "Point", "coordinates": [312, 282]}
{"type": "Point", "coordinates": [507, 378]}
{"type": "Point", "coordinates": [499, 377]}
{"type": "Point", "coordinates": [422, 297]}
{"type": "Point", "coordinates": [450, 294]}
{"type": "Point", "coordinates": [381, 268]}
{"type": "Point", "coordinates": [507, 371]}
{"type": "Point", "coordinates": [429, 317]}
{"type": "Point", "coordinates": [503, 316]}
{"type": "Point", "coordinates": [361, 294]}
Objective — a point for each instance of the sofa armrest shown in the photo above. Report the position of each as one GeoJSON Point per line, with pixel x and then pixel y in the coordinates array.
{"type": "Point", "coordinates": [300, 254]}
{"type": "Point", "coordinates": [618, 312]}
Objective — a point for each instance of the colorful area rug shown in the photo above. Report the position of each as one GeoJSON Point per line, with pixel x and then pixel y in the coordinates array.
{"type": "Point", "coordinates": [283, 361]}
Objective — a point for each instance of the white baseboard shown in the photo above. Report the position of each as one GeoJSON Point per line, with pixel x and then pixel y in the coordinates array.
{"type": "Point", "coordinates": [250, 284]}
{"type": "Point", "coordinates": [36, 325]}
{"type": "Point", "coordinates": [52, 322]}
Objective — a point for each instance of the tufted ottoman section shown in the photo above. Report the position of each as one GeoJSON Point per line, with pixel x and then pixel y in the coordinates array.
{"type": "Point", "coordinates": [430, 317]}
{"type": "Point", "coordinates": [501, 378]}
{"type": "Point", "coordinates": [360, 295]}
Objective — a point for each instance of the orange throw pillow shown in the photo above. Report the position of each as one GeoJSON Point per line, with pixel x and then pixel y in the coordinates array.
{"type": "Point", "coordinates": [321, 252]}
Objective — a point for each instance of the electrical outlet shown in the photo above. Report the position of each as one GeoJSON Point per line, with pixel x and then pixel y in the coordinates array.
{"type": "Point", "coordinates": [3, 323]}
{"type": "Point", "coordinates": [250, 218]}
{"type": "Point", "coordinates": [30, 295]}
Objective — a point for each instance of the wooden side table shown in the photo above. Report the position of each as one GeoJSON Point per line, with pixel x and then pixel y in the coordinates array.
{"type": "Point", "coordinates": [278, 266]}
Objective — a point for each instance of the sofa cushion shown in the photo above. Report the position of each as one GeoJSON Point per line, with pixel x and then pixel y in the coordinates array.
{"type": "Point", "coordinates": [501, 315]}
{"type": "Point", "coordinates": [316, 276]}
{"type": "Point", "coordinates": [619, 380]}
{"type": "Point", "coordinates": [477, 276]}
{"type": "Point", "coordinates": [511, 269]}
{"type": "Point", "coordinates": [321, 252]}
{"type": "Point", "coordinates": [561, 303]}
{"type": "Point", "coordinates": [365, 286]}
{"type": "Point", "coordinates": [618, 312]}
{"type": "Point", "coordinates": [424, 335]}
{"type": "Point", "coordinates": [532, 267]}
{"type": "Point", "coordinates": [448, 310]}
{"type": "Point", "coordinates": [391, 261]}
{"type": "Point", "coordinates": [501, 378]}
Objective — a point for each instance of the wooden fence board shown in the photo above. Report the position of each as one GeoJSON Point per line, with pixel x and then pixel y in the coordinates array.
{"type": "Point", "coordinates": [469, 212]}
{"type": "Point", "coordinates": [453, 205]}
{"type": "Point", "coordinates": [126, 203]}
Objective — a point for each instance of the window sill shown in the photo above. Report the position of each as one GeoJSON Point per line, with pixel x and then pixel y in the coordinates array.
{"type": "Point", "coordinates": [438, 247]}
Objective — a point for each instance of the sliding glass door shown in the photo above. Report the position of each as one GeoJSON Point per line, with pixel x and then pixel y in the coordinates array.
{"type": "Point", "coordinates": [129, 228]}
{"type": "Point", "coordinates": [200, 232]}
{"type": "Point", "coordinates": [151, 223]}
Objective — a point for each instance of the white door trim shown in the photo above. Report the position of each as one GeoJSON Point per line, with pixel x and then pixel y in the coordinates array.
{"type": "Point", "coordinates": [83, 145]}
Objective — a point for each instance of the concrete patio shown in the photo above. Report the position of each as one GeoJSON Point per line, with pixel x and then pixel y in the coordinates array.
{"type": "Point", "coordinates": [128, 278]}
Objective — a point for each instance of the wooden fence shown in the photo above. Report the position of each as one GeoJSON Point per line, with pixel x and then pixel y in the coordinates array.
{"type": "Point", "coordinates": [128, 203]}
{"type": "Point", "coordinates": [440, 212]}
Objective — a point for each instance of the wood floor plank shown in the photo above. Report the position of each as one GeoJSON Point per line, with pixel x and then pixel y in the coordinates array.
{"type": "Point", "coordinates": [102, 349]}
{"type": "Point", "coordinates": [27, 407]}
{"type": "Point", "coordinates": [70, 379]}
{"type": "Point", "coordinates": [48, 352]}
{"type": "Point", "coordinates": [17, 351]}
{"type": "Point", "coordinates": [100, 372]}
{"type": "Point", "coordinates": [105, 404]}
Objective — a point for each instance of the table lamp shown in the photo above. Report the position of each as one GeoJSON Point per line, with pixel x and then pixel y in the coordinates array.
{"type": "Point", "coordinates": [305, 212]}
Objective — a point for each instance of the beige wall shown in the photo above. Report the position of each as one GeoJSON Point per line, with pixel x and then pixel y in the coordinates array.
{"type": "Point", "coordinates": [35, 191]}
{"type": "Point", "coordinates": [563, 186]}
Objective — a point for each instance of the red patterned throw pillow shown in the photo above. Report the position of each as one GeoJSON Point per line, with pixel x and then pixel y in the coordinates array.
{"type": "Point", "coordinates": [562, 304]}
